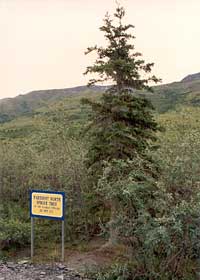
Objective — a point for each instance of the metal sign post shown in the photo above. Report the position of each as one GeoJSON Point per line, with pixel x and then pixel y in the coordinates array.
{"type": "Point", "coordinates": [32, 237]}
{"type": "Point", "coordinates": [63, 241]}
{"type": "Point", "coordinates": [47, 205]}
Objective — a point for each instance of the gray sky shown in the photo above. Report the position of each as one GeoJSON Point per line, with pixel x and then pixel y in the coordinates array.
{"type": "Point", "coordinates": [43, 41]}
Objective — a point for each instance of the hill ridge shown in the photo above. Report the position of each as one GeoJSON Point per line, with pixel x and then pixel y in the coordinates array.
{"type": "Point", "coordinates": [165, 97]}
{"type": "Point", "coordinates": [191, 77]}
{"type": "Point", "coordinates": [26, 104]}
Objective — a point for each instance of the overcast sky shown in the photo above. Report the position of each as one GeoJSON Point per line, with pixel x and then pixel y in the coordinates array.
{"type": "Point", "coordinates": [43, 41]}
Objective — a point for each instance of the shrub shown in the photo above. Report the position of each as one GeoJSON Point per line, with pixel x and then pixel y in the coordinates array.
{"type": "Point", "coordinates": [161, 232]}
{"type": "Point", "coordinates": [14, 233]}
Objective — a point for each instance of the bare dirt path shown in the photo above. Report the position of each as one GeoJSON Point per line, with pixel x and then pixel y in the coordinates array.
{"type": "Point", "coordinates": [77, 262]}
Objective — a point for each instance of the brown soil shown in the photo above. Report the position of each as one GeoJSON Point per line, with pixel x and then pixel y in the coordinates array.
{"type": "Point", "coordinates": [84, 256]}
{"type": "Point", "coordinates": [93, 255]}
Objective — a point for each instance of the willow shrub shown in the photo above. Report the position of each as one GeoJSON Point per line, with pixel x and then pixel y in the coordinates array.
{"type": "Point", "coordinates": [14, 232]}
{"type": "Point", "coordinates": [161, 232]}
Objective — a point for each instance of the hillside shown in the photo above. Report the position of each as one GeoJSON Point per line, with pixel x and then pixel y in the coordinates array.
{"type": "Point", "coordinates": [168, 97]}
{"type": "Point", "coordinates": [27, 104]}
{"type": "Point", "coordinates": [191, 77]}
{"type": "Point", "coordinates": [165, 97]}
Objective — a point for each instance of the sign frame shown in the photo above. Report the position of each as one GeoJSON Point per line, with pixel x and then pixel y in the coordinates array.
{"type": "Point", "coordinates": [48, 217]}
{"type": "Point", "coordinates": [62, 218]}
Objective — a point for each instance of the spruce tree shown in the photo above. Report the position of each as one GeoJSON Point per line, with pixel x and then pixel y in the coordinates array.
{"type": "Point", "coordinates": [122, 122]}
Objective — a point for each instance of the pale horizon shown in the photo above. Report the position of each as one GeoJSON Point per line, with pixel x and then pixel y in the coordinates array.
{"type": "Point", "coordinates": [43, 41]}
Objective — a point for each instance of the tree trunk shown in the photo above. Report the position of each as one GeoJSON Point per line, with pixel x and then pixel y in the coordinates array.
{"type": "Point", "coordinates": [113, 232]}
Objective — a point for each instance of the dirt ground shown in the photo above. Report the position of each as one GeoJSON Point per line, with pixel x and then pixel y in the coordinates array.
{"type": "Point", "coordinates": [80, 258]}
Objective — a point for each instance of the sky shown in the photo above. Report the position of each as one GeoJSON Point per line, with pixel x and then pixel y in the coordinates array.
{"type": "Point", "coordinates": [42, 42]}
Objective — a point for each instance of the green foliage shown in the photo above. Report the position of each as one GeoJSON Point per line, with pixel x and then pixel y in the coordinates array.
{"type": "Point", "coordinates": [122, 123]}
{"type": "Point", "coordinates": [115, 272]}
{"type": "Point", "coordinates": [161, 232]}
{"type": "Point", "coordinates": [14, 233]}
{"type": "Point", "coordinates": [119, 62]}
{"type": "Point", "coordinates": [156, 223]}
{"type": "Point", "coordinates": [49, 156]}
{"type": "Point", "coordinates": [127, 271]}
{"type": "Point", "coordinates": [180, 150]}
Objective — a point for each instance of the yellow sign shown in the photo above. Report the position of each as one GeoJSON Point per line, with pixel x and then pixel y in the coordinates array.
{"type": "Point", "coordinates": [47, 204]}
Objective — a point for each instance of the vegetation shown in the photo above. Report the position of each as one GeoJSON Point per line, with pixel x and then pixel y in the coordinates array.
{"type": "Point", "coordinates": [51, 156]}
{"type": "Point", "coordinates": [123, 127]}
{"type": "Point", "coordinates": [126, 174]}
{"type": "Point", "coordinates": [156, 195]}
{"type": "Point", "coordinates": [164, 98]}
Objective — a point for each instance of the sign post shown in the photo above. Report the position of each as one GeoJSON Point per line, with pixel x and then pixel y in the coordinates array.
{"type": "Point", "coordinates": [63, 241]}
{"type": "Point", "coordinates": [32, 237]}
{"type": "Point", "coordinates": [47, 205]}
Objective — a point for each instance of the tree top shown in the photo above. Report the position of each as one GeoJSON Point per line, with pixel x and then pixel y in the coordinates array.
{"type": "Point", "coordinates": [118, 62]}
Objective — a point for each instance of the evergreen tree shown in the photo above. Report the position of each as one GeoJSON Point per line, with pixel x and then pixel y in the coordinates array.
{"type": "Point", "coordinates": [122, 122]}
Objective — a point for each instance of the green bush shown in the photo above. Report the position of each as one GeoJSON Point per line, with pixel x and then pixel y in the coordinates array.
{"type": "Point", "coordinates": [14, 233]}
{"type": "Point", "coordinates": [161, 232]}
{"type": "Point", "coordinates": [115, 272]}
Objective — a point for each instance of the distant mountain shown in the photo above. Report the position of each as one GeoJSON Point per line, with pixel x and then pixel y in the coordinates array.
{"type": "Point", "coordinates": [165, 97]}
{"type": "Point", "coordinates": [27, 104]}
{"type": "Point", "coordinates": [168, 97]}
{"type": "Point", "coordinates": [192, 77]}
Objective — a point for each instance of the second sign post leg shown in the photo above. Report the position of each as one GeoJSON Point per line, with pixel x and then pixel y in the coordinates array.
{"type": "Point", "coordinates": [63, 241]}
{"type": "Point", "coordinates": [32, 237]}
